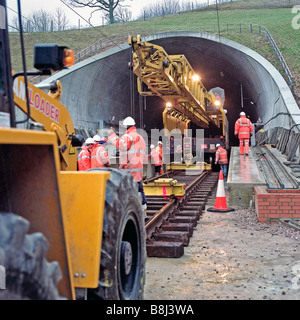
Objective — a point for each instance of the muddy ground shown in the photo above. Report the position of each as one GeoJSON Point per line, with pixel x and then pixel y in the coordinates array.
{"type": "Point", "coordinates": [231, 256]}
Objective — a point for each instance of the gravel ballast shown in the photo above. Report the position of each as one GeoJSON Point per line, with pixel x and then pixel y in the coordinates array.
{"type": "Point", "coordinates": [231, 256]}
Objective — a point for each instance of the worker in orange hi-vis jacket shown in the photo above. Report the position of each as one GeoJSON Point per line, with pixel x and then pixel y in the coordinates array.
{"type": "Point", "coordinates": [132, 149]}
{"type": "Point", "coordinates": [84, 157]}
{"type": "Point", "coordinates": [160, 150]}
{"type": "Point", "coordinates": [243, 129]}
{"type": "Point", "coordinates": [221, 158]}
{"type": "Point", "coordinates": [99, 155]}
{"type": "Point", "coordinates": [156, 159]}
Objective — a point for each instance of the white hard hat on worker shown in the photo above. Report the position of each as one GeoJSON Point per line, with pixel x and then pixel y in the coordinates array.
{"type": "Point", "coordinates": [89, 141]}
{"type": "Point", "coordinates": [128, 122]}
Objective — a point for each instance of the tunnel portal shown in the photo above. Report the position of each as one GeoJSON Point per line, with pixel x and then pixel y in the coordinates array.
{"type": "Point", "coordinates": [102, 89]}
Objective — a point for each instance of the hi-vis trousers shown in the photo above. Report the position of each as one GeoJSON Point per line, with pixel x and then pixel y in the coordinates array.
{"type": "Point", "coordinates": [244, 145]}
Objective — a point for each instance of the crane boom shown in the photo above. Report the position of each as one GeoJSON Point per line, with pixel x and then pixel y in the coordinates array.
{"type": "Point", "coordinates": [172, 78]}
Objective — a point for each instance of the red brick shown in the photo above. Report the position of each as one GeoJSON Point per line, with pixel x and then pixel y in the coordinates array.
{"type": "Point", "coordinates": [264, 211]}
{"type": "Point", "coordinates": [261, 219]}
{"type": "Point", "coordinates": [284, 203]}
{"type": "Point", "coordinates": [273, 207]}
{"type": "Point", "coordinates": [273, 216]}
{"type": "Point", "coordinates": [285, 211]}
{"type": "Point", "coordinates": [286, 207]}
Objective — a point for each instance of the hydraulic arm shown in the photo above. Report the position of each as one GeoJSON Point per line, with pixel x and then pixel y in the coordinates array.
{"type": "Point", "coordinates": [172, 78]}
{"type": "Point", "coordinates": [52, 115]}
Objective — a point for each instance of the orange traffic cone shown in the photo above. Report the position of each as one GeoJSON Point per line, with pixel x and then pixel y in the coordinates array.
{"type": "Point", "coordinates": [220, 203]}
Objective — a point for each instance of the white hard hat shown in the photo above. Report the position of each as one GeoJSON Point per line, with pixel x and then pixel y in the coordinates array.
{"type": "Point", "coordinates": [242, 113]}
{"type": "Point", "coordinates": [89, 141]}
{"type": "Point", "coordinates": [128, 122]}
{"type": "Point", "coordinates": [96, 138]}
{"type": "Point", "coordinates": [152, 146]}
{"type": "Point", "coordinates": [218, 145]}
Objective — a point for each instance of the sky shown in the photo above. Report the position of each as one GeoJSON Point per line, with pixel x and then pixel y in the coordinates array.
{"type": "Point", "coordinates": [50, 5]}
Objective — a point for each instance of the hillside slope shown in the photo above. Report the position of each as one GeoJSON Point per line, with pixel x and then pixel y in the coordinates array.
{"type": "Point", "coordinates": [234, 24]}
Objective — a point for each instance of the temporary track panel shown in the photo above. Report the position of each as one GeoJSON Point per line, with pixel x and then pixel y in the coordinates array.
{"type": "Point", "coordinates": [171, 221]}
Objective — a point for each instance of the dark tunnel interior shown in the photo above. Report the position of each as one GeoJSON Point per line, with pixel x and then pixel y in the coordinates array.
{"type": "Point", "coordinates": [218, 68]}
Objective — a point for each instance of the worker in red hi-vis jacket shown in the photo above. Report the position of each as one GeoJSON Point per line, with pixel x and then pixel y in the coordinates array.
{"type": "Point", "coordinates": [221, 158]}
{"type": "Point", "coordinates": [132, 149]}
{"type": "Point", "coordinates": [99, 155]}
{"type": "Point", "coordinates": [84, 157]}
{"type": "Point", "coordinates": [156, 159]}
{"type": "Point", "coordinates": [243, 129]}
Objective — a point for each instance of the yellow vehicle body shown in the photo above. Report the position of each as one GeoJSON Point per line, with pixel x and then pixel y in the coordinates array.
{"type": "Point", "coordinates": [52, 214]}
{"type": "Point", "coordinates": [72, 204]}
{"type": "Point", "coordinates": [83, 199]}
{"type": "Point", "coordinates": [82, 193]}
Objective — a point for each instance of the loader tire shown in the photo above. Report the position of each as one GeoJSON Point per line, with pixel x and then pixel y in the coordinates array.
{"type": "Point", "coordinates": [28, 275]}
{"type": "Point", "coordinates": [123, 253]}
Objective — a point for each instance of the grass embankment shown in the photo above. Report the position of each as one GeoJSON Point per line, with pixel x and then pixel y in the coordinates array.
{"type": "Point", "coordinates": [271, 14]}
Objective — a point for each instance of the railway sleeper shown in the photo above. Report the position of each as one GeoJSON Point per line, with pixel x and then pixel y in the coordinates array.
{"type": "Point", "coordinates": [175, 236]}
{"type": "Point", "coordinates": [151, 207]}
{"type": "Point", "coordinates": [196, 214]}
{"type": "Point", "coordinates": [165, 249]}
{"type": "Point", "coordinates": [162, 203]}
{"type": "Point", "coordinates": [197, 199]}
{"type": "Point", "coordinates": [178, 227]}
{"type": "Point", "coordinates": [193, 206]}
{"type": "Point", "coordinates": [204, 191]}
{"type": "Point", "coordinates": [184, 219]}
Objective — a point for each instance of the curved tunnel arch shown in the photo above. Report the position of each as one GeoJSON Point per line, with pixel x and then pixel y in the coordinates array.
{"type": "Point", "coordinates": [98, 88]}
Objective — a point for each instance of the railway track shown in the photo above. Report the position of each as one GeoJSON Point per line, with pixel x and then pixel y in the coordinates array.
{"type": "Point", "coordinates": [276, 175]}
{"type": "Point", "coordinates": [170, 222]}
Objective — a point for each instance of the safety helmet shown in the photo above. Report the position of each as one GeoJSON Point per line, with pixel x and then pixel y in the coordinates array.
{"type": "Point", "coordinates": [218, 145]}
{"type": "Point", "coordinates": [89, 141]}
{"type": "Point", "coordinates": [159, 142]}
{"type": "Point", "coordinates": [128, 122]}
{"type": "Point", "coordinates": [242, 113]}
{"type": "Point", "coordinates": [152, 146]}
{"type": "Point", "coordinates": [96, 138]}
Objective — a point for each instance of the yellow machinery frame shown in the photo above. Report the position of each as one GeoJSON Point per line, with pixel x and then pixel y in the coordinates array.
{"type": "Point", "coordinates": [71, 220]}
{"type": "Point", "coordinates": [55, 117]}
{"type": "Point", "coordinates": [164, 187]}
{"type": "Point", "coordinates": [171, 77]}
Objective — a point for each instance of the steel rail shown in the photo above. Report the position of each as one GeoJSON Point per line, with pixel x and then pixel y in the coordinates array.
{"type": "Point", "coordinates": [277, 177]}
{"type": "Point", "coordinates": [155, 221]}
{"type": "Point", "coordinates": [158, 218]}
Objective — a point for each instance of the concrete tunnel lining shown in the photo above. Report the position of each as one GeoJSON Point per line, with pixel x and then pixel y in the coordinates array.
{"type": "Point", "coordinates": [98, 88]}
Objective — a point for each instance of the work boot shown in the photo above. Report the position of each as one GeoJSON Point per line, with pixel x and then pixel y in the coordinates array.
{"type": "Point", "coordinates": [144, 206]}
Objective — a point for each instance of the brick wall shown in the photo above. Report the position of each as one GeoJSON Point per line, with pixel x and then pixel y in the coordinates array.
{"type": "Point", "coordinates": [276, 204]}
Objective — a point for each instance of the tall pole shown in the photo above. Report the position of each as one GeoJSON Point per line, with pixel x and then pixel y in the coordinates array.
{"type": "Point", "coordinates": [242, 99]}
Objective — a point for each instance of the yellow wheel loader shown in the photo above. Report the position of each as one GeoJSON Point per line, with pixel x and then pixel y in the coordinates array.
{"type": "Point", "coordinates": [64, 234]}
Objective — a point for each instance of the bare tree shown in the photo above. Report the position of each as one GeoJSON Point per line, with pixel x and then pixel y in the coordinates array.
{"type": "Point", "coordinates": [108, 6]}
{"type": "Point", "coordinates": [60, 20]}
{"type": "Point", "coordinates": [123, 14]}
{"type": "Point", "coordinates": [160, 9]}
{"type": "Point", "coordinates": [41, 20]}
{"type": "Point", "coordinates": [26, 23]}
